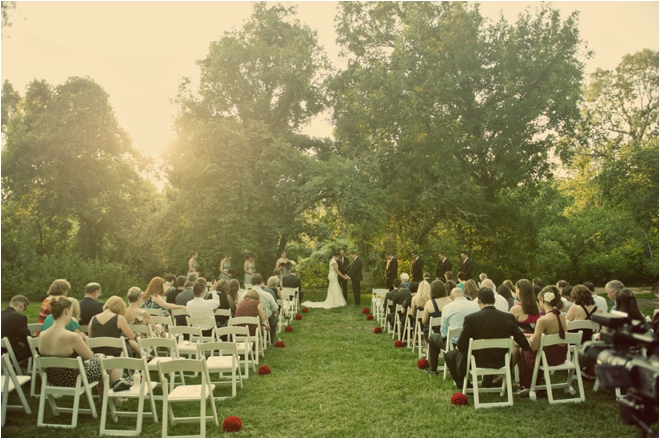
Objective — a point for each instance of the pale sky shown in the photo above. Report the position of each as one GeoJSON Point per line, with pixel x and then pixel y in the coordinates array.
{"type": "Point", "coordinates": [138, 51]}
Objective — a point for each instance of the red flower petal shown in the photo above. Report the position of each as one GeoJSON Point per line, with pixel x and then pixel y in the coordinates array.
{"type": "Point", "coordinates": [370, 317]}
{"type": "Point", "coordinates": [264, 370]}
{"type": "Point", "coordinates": [305, 310]}
{"type": "Point", "coordinates": [232, 423]}
{"type": "Point", "coordinates": [399, 344]}
{"type": "Point", "coordinates": [279, 344]}
{"type": "Point", "coordinates": [298, 317]}
{"type": "Point", "coordinates": [365, 310]}
{"type": "Point", "coordinates": [378, 330]}
{"type": "Point", "coordinates": [423, 363]}
{"type": "Point", "coordinates": [459, 399]}
{"type": "Point", "coordinates": [288, 328]}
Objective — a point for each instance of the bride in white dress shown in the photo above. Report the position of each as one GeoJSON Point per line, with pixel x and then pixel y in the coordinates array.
{"type": "Point", "coordinates": [335, 297]}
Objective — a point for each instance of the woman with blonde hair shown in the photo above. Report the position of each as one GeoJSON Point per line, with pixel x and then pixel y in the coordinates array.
{"type": "Point", "coordinates": [153, 296]}
{"type": "Point", "coordinates": [419, 300]}
{"type": "Point", "coordinates": [59, 287]}
{"type": "Point", "coordinates": [73, 325]}
{"type": "Point", "coordinates": [274, 285]}
{"type": "Point", "coordinates": [112, 323]}
{"type": "Point", "coordinates": [471, 289]}
{"type": "Point", "coordinates": [134, 315]}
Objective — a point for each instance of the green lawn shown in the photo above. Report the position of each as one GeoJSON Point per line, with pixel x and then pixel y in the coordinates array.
{"type": "Point", "coordinates": [336, 378]}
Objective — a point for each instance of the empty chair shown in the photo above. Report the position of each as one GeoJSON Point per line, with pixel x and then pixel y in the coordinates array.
{"type": "Point", "coordinates": [155, 347]}
{"type": "Point", "coordinates": [10, 382]}
{"type": "Point", "coordinates": [257, 337]}
{"type": "Point", "coordinates": [240, 336]}
{"type": "Point", "coordinates": [451, 333]}
{"type": "Point", "coordinates": [226, 361]}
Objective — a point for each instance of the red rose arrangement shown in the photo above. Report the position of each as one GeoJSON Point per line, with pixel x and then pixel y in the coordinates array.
{"type": "Point", "coordinates": [305, 310]}
{"type": "Point", "coordinates": [288, 328]}
{"type": "Point", "coordinates": [399, 344]}
{"type": "Point", "coordinates": [370, 317]}
{"type": "Point", "coordinates": [282, 264]}
{"type": "Point", "coordinates": [279, 344]}
{"type": "Point", "coordinates": [423, 363]}
{"type": "Point", "coordinates": [264, 370]}
{"type": "Point", "coordinates": [378, 330]}
{"type": "Point", "coordinates": [365, 310]}
{"type": "Point", "coordinates": [231, 272]}
{"type": "Point", "coordinates": [232, 423]}
{"type": "Point", "coordinates": [459, 399]}
{"type": "Point", "coordinates": [298, 317]}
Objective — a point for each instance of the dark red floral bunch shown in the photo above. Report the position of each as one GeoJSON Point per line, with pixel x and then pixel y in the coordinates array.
{"type": "Point", "coordinates": [370, 317]}
{"type": "Point", "coordinates": [264, 370]}
{"type": "Point", "coordinates": [305, 310]}
{"type": "Point", "coordinates": [232, 423]}
{"type": "Point", "coordinates": [459, 399]}
{"type": "Point", "coordinates": [378, 330]}
{"type": "Point", "coordinates": [423, 363]}
{"type": "Point", "coordinates": [288, 328]}
{"type": "Point", "coordinates": [282, 264]}
{"type": "Point", "coordinates": [399, 344]}
{"type": "Point", "coordinates": [231, 272]}
{"type": "Point", "coordinates": [298, 317]}
{"type": "Point", "coordinates": [279, 344]}
{"type": "Point", "coordinates": [365, 310]}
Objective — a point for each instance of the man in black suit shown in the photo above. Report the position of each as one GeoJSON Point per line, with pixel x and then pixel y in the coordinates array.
{"type": "Point", "coordinates": [391, 270]}
{"type": "Point", "coordinates": [293, 281]}
{"type": "Point", "coordinates": [89, 305]}
{"type": "Point", "coordinates": [444, 265]}
{"type": "Point", "coordinates": [488, 323]}
{"type": "Point", "coordinates": [356, 277]}
{"type": "Point", "coordinates": [466, 265]}
{"type": "Point", "coordinates": [342, 265]}
{"type": "Point", "coordinates": [402, 296]}
{"type": "Point", "coordinates": [15, 327]}
{"type": "Point", "coordinates": [416, 268]}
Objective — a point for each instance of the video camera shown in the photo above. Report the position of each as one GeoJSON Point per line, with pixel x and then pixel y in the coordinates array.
{"type": "Point", "coordinates": [620, 361]}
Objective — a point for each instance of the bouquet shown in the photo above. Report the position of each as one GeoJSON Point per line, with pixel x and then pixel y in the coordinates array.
{"type": "Point", "coordinates": [231, 272]}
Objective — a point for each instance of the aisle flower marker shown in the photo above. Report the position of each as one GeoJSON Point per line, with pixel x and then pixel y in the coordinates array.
{"type": "Point", "coordinates": [370, 317]}
{"type": "Point", "coordinates": [232, 423]}
{"type": "Point", "coordinates": [378, 330]}
{"type": "Point", "coordinates": [399, 344]}
{"type": "Point", "coordinates": [305, 310]}
{"type": "Point", "coordinates": [423, 363]}
{"type": "Point", "coordinates": [365, 311]}
{"type": "Point", "coordinates": [298, 317]}
{"type": "Point", "coordinates": [288, 328]}
{"type": "Point", "coordinates": [264, 370]}
{"type": "Point", "coordinates": [459, 399]}
{"type": "Point", "coordinates": [279, 344]}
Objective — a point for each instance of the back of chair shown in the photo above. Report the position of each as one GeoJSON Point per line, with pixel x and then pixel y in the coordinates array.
{"type": "Point", "coordinates": [108, 342]}
{"type": "Point", "coordinates": [179, 312]}
{"type": "Point", "coordinates": [194, 333]}
{"type": "Point", "coordinates": [217, 346]}
{"type": "Point", "coordinates": [222, 312]}
{"type": "Point", "coordinates": [198, 321]}
{"type": "Point", "coordinates": [491, 343]}
{"type": "Point", "coordinates": [12, 357]}
{"type": "Point", "coordinates": [157, 342]}
{"type": "Point", "coordinates": [155, 311]}
{"type": "Point", "coordinates": [34, 327]}
{"type": "Point", "coordinates": [166, 321]}
{"type": "Point", "coordinates": [582, 324]}
{"type": "Point", "coordinates": [64, 363]}
{"type": "Point", "coordinates": [182, 365]}
{"type": "Point", "coordinates": [234, 333]}
{"type": "Point", "coordinates": [144, 330]}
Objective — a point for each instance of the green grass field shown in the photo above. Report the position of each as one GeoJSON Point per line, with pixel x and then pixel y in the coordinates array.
{"type": "Point", "coordinates": [336, 378]}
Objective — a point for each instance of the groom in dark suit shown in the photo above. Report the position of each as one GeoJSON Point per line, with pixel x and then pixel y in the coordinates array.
{"type": "Point", "coordinates": [416, 268]}
{"type": "Point", "coordinates": [356, 277]}
{"type": "Point", "coordinates": [391, 271]}
{"type": "Point", "coordinates": [342, 265]}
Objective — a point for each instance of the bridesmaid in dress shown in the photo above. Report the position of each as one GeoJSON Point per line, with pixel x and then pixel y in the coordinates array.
{"type": "Point", "coordinates": [282, 264]}
{"type": "Point", "coordinates": [248, 269]}
{"type": "Point", "coordinates": [192, 263]}
{"type": "Point", "coordinates": [225, 266]}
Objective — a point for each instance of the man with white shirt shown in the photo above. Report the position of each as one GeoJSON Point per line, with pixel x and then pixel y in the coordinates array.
{"type": "Point", "coordinates": [500, 302]}
{"type": "Point", "coordinates": [269, 304]}
{"type": "Point", "coordinates": [598, 301]}
{"type": "Point", "coordinates": [200, 307]}
{"type": "Point", "coordinates": [453, 315]}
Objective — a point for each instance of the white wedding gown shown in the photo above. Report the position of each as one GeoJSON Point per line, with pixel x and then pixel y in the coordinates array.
{"type": "Point", "coordinates": [335, 297]}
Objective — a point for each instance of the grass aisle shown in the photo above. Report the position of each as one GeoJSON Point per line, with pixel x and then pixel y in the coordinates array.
{"type": "Point", "coordinates": [336, 378]}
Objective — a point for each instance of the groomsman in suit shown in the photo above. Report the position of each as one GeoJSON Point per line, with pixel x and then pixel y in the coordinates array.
{"type": "Point", "coordinates": [466, 265]}
{"type": "Point", "coordinates": [416, 268]}
{"type": "Point", "coordinates": [356, 277]}
{"type": "Point", "coordinates": [343, 264]}
{"type": "Point", "coordinates": [391, 270]}
{"type": "Point", "coordinates": [444, 265]}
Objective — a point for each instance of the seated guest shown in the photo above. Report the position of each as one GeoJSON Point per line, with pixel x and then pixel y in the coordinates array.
{"type": "Point", "coordinates": [73, 325]}
{"type": "Point", "coordinates": [538, 282]}
{"type": "Point", "coordinates": [112, 323]}
{"type": "Point", "coordinates": [600, 302]}
{"type": "Point", "coordinates": [527, 312]}
{"type": "Point", "coordinates": [58, 342]}
{"type": "Point", "coordinates": [226, 301]}
{"type": "Point", "coordinates": [450, 285]}
{"type": "Point", "coordinates": [90, 305]}
{"type": "Point", "coordinates": [551, 323]}
{"type": "Point", "coordinates": [182, 299]}
{"type": "Point", "coordinates": [427, 277]}
{"type": "Point", "coordinates": [470, 288]}
{"type": "Point", "coordinates": [482, 276]}
{"type": "Point", "coordinates": [233, 293]}
{"type": "Point", "coordinates": [176, 289]}
{"type": "Point", "coordinates": [153, 296]}
{"type": "Point", "coordinates": [292, 281]}
{"type": "Point", "coordinates": [251, 306]}
{"type": "Point", "coordinates": [277, 275]}
{"type": "Point", "coordinates": [504, 291]}
{"type": "Point", "coordinates": [59, 287]}
{"type": "Point", "coordinates": [627, 303]}
{"type": "Point", "coordinates": [419, 300]}
{"type": "Point", "coordinates": [15, 327]}
{"type": "Point", "coordinates": [583, 310]}
{"type": "Point", "coordinates": [566, 296]}
{"type": "Point", "coordinates": [536, 289]}
{"type": "Point", "coordinates": [170, 283]}
{"type": "Point", "coordinates": [135, 315]}
{"type": "Point", "coordinates": [487, 323]}
{"type": "Point", "coordinates": [453, 315]}
{"type": "Point", "coordinates": [433, 308]}
{"type": "Point", "coordinates": [402, 297]}
{"type": "Point", "coordinates": [405, 281]}
{"type": "Point", "coordinates": [269, 305]}
{"type": "Point", "coordinates": [611, 289]}
{"type": "Point", "coordinates": [192, 277]}
{"type": "Point", "coordinates": [460, 278]}
{"type": "Point", "coordinates": [273, 287]}
{"type": "Point", "coordinates": [512, 288]}
{"type": "Point", "coordinates": [449, 276]}
{"type": "Point", "coordinates": [199, 307]}
{"type": "Point", "coordinates": [397, 286]}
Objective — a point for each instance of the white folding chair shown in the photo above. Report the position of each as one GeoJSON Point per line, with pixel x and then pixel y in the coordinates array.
{"type": "Point", "coordinates": [474, 371]}
{"type": "Point", "coordinates": [178, 312]}
{"type": "Point", "coordinates": [34, 368]}
{"type": "Point", "coordinates": [142, 330]}
{"type": "Point", "coordinates": [280, 315]}
{"type": "Point", "coordinates": [11, 381]}
{"type": "Point", "coordinates": [384, 313]}
{"type": "Point", "coordinates": [577, 325]}
{"type": "Point", "coordinates": [225, 362]}
{"type": "Point", "coordinates": [451, 333]}
{"type": "Point", "coordinates": [151, 346]}
{"type": "Point", "coordinates": [145, 390]}
{"type": "Point", "coordinates": [201, 392]}
{"type": "Point", "coordinates": [84, 328]}
{"type": "Point", "coordinates": [396, 327]}
{"type": "Point", "coordinates": [155, 311]}
{"type": "Point", "coordinates": [5, 344]}
{"type": "Point", "coordinates": [293, 293]}
{"type": "Point", "coordinates": [197, 322]}
{"type": "Point", "coordinates": [288, 302]}
{"type": "Point", "coordinates": [570, 365]}
{"type": "Point", "coordinates": [377, 295]}
{"type": "Point", "coordinates": [166, 321]}
{"type": "Point", "coordinates": [257, 338]}
{"type": "Point", "coordinates": [50, 392]}
{"type": "Point", "coordinates": [108, 342]}
{"type": "Point", "coordinates": [34, 328]}
{"type": "Point", "coordinates": [185, 347]}
{"type": "Point", "coordinates": [240, 336]}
